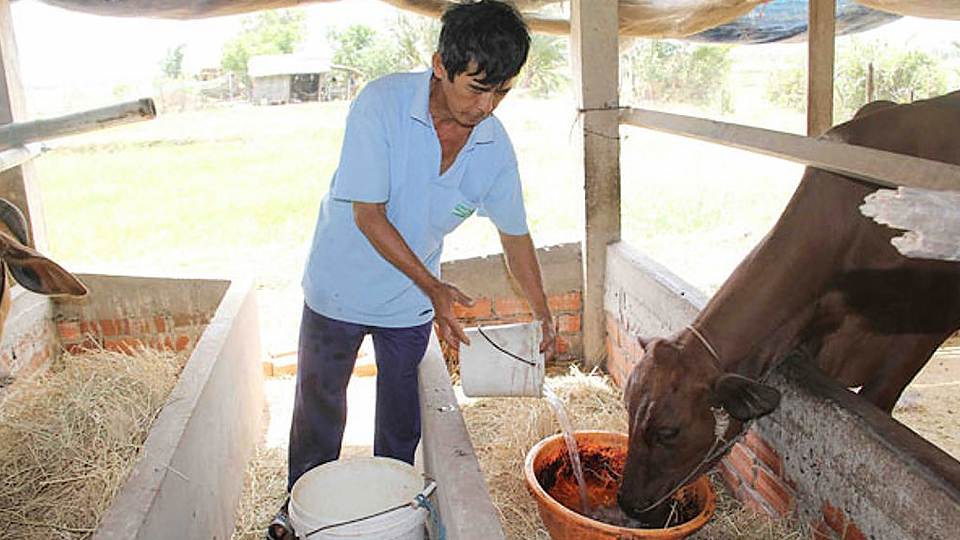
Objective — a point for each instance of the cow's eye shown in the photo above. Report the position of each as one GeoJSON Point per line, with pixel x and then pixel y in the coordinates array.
{"type": "Point", "coordinates": [666, 434]}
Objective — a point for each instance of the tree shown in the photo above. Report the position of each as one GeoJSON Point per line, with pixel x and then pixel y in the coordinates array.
{"type": "Point", "coordinates": [172, 63]}
{"type": "Point", "coordinates": [660, 70]}
{"type": "Point", "coordinates": [545, 71]}
{"type": "Point", "coordinates": [362, 48]}
{"type": "Point", "coordinates": [899, 75]}
{"type": "Point", "coordinates": [268, 32]}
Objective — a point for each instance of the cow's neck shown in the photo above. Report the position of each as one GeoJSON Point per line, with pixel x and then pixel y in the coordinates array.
{"type": "Point", "coordinates": [756, 316]}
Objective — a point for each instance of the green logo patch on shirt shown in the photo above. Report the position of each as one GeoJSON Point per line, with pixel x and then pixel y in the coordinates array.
{"type": "Point", "coordinates": [463, 211]}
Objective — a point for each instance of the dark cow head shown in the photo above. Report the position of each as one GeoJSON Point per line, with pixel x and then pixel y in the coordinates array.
{"type": "Point", "coordinates": [27, 266]}
{"type": "Point", "coordinates": [683, 411]}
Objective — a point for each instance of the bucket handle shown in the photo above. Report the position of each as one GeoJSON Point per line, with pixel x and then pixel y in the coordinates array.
{"type": "Point", "coordinates": [421, 499]}
{"type": "Point", "coordinates": [505, 351]}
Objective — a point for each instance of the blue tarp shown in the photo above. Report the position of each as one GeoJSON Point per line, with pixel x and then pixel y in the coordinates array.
{"type": "Point", "coordinates": [786, 21]}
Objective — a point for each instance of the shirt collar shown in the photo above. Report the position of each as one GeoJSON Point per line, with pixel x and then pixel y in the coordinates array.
{"type": "Point", "coordinates": [420, 111]}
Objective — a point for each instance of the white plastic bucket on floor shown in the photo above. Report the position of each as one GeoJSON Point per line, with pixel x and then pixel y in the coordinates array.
{"type": "Point", "coordinates": [490, 366]}
{"type": "Point", "coordinates": [352, 488]}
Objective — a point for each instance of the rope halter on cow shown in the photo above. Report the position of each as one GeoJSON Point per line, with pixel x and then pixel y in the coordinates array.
{"type": "Point", "coordinates": [707, 346]}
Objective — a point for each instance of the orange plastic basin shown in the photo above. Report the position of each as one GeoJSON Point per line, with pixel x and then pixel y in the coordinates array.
{"type": "Point", "coordinates": [551, 481]}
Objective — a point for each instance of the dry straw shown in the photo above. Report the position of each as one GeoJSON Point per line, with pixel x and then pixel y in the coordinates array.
{"type": "Point", "coordinates": [69, 437]}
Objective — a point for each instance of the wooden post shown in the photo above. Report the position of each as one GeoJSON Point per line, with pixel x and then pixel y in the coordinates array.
{"type": "Point", "coordinates": [594, 43]}
{"type": "Point", "coordinates": [820, 60]}
{"type": "Point", "coordinates": [18, 184]}
{"type": "Point", "coordinates": [870, 76]}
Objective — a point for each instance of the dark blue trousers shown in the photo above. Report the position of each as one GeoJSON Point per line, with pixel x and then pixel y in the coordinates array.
{"type": "Point", "coordinates": [327, 354]}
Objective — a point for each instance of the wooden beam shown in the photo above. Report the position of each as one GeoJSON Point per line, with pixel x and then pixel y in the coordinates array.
{"type": "Point", "coordinates": [869, 164]}
{"type": "Point", "coordinates": [20, 133]}
{"type": "Point", "coordinates": [595, 66]}
{"type": "Point", "coordinates": [820, 59]}
{"type": "Point", "coordinates": [19, 185]}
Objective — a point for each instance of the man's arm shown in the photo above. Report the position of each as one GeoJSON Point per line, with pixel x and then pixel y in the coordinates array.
{"type": "Point", "coordinates": [372, 220]}
{"type": "Point", "coordinates": [525, 268]}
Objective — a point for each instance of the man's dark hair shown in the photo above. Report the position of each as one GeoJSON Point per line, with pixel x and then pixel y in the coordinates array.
{"type": "Point", "coordinates": [488, 32]}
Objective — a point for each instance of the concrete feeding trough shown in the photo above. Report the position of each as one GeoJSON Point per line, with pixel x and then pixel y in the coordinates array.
{"type": "Point", "coordinates": [189, 474]}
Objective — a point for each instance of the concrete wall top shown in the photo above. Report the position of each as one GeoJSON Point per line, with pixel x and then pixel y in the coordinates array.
{"type": "Point", "coordinates": [137, 296]}
{"type": "Point", "coordinates": [647, 299]}
{"type": "Point", "coordinates": [561, 265]}
{"type": "Point", "coordinates": [449, 457]}
{"type": "Point", "coordinates": [844, 452]}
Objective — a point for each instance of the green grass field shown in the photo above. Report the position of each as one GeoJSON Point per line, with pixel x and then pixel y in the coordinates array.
{"type": "Point", "coordinates": [235, 190]}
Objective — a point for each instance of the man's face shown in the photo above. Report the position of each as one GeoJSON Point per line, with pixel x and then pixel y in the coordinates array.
{"type": "Point", "coordinates": [468, 101]}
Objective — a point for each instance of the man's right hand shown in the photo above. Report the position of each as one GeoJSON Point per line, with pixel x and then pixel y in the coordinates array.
{"type": "Point", "coordinates": [443, 296]}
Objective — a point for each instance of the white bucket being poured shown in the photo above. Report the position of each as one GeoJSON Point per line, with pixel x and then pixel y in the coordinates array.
{"type": "Point", "coordinates": [502, 360]}
{"type": "Point", "coordinates": [369, 497]}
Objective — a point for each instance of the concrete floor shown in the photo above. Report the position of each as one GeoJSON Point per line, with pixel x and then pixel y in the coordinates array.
{"type": "Point", "coordinates": [361, 400]}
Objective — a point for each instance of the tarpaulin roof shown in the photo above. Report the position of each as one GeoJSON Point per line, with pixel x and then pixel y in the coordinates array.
{"type": "Point", "coordinates": [638, 18]}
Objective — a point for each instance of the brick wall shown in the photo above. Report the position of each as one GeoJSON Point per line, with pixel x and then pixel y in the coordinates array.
{"type": "Point", "coordinates": [567, 308]}
{"type": "Point", "coordinates": [171, 332]}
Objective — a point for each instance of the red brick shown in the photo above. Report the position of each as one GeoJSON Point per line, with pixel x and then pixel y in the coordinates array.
{"type": "Point", "coordinates": [613, 329]}
{"type": "Point", "coordinates": [181, 343]}
{"type": "Point", "coordinates": [730, 478]}
{"type": "Point", "coordinates": [86, 327]}
{"type": "Point", "coordinates": [853, 532]}
{"type": "Point", "coordinates": [511, 306]}
{"type": "Point", "coordinates": [833, 517]}
{"type": "Point", "coordinates": [777, 495]}
{"type": "Point", "coordinates": [161, 324]}
{"type": "Point", "coordinates": [824, 532]}
{"type": "Point", "coordinates": [108, 328]}
{"type": "Point", "coordinates": [568, 323]}
{"type": "Point", "coordinates": [69, 331]}
{"type": "Point", "coordinates": [563, 346]}
{"type": "Point", "coordinates": [764, 452]}
{"type": "Point", "coordinates": [742, 461]}
{"type": "Point", "coordinates": [568, 301]}
{"type": "Point", "coordinates": [479, 309]}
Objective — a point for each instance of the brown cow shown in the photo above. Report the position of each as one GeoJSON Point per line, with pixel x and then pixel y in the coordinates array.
{"type": "Point", "coordinates": [26, 265]}
{"type": "Point", "coordinates": [824, 283]}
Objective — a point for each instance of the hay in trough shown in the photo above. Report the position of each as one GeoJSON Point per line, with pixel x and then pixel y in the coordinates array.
{"type": "Point", "coordinates": [504, 429]}
{"type": "Point", "coordinates": [69, 437]}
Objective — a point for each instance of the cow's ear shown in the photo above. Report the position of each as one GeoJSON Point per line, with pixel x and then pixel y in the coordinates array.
{"type": "Point", "coordinates": [744, 398]}
{"type": "Point", "coordinates": [36, 272]}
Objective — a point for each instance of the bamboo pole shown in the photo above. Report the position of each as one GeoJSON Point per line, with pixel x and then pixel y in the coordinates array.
{"type": "Point", "coordinates": [21, 133]}
{"type": "Point", "coordinates": [14, 157]}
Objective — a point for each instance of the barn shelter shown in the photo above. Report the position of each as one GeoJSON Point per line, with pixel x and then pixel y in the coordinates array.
{"type": "Point", "coordinates": [617, 294]}
{"type": "Point", "coordinates": [295, 78]}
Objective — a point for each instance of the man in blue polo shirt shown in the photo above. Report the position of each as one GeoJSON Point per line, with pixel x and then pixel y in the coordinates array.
{"type": "Point", "coordinates": [421, 153]}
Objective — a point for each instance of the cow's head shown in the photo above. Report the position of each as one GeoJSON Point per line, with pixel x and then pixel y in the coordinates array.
{"type": "Point", "coordinates": [683, 409]}
{"type": "Point", "coordinates": [27, 266]}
